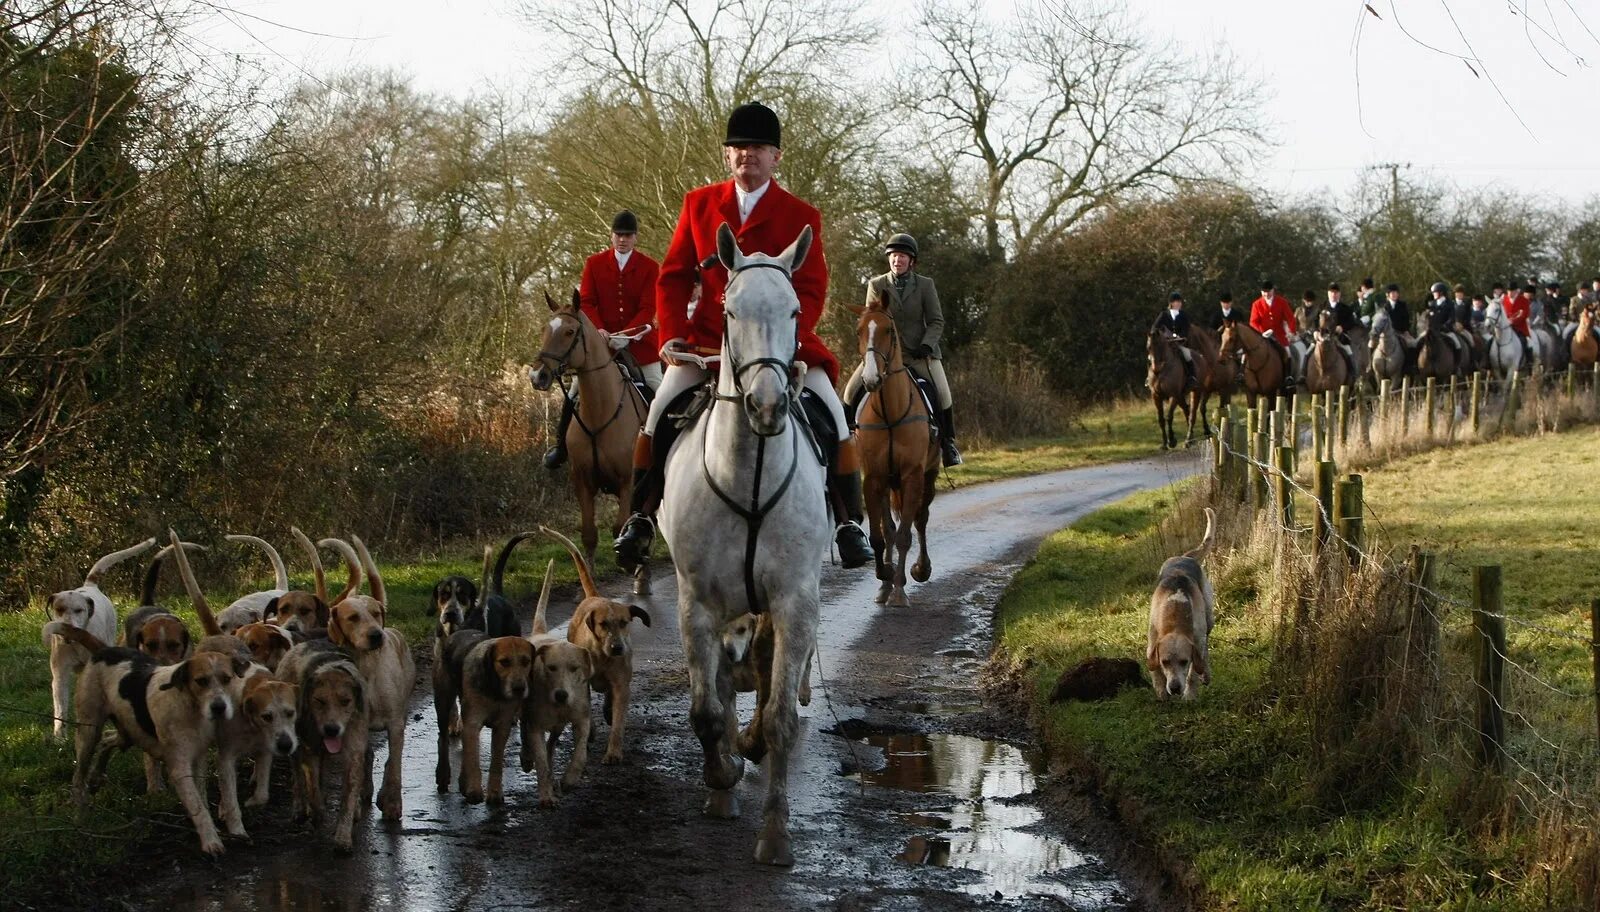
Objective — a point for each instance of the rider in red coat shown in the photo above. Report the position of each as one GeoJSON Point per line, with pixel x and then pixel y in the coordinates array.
{"type": "Point", "coordinates": [1518, 308]}
{"type": "Point", "coordinates": [1270, 316]}
{"type": "Point", "coordinates": [766, 219]}
{"type": "Point", "coordinates": [617, 293]}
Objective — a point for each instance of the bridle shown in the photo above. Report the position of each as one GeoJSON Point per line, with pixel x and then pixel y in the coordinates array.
{"type": "Point", "coordinates": [563, 367]}
{"type": "Point", "coordinates": [784, 368]}
{"type": "Point", "coordinates": [884, 359]}
{"type": "Point", "coordinates": [563, 361]}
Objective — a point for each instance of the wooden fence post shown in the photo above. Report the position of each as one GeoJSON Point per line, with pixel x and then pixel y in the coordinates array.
{"type": "Point", "coordinates": [1241, 466]}
{"type": "Point", "coordinates": [1384, 388]}
{"type": "Point", "coordinates": [1424, 625]}
{"type": "Point", "coordinates": [1450, 410]}
{"type": "Point", "coordinates": [1513, 400]}
{"type": "Point", "coordinates": [1316, 430]}
{"type": "Point", "coordinates": [1344, 417]}
{"type": "Point", "coordinates": [1572, 379]}
{"type": "Point", "coordinates": [1349, 516]}
{"type": "Point", "coordinates": [1219, 454]}
{"type": "Point", "coordinates": [1294, 421]}
{"type": "Point", "coordinates": [1594, 650]}
{"type": "Point", "coordinates": [1489, 679]}
{"type": "Point", "coordinates": [1285, 466]}
{"type": "Point", "coordinates": [1427, 404]}
{"type": "Point", "coordinates": [1263, 459]}
{"type": "Point", "coordinates": [1323, 521]}
{"type": "Point", "coordinates": [1405, 406]}
{"type": "Point", "coordinates": [1477, 398]}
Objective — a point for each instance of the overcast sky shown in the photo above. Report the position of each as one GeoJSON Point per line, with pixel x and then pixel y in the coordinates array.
{"type": "Point", "coordinates": [1336, 104]}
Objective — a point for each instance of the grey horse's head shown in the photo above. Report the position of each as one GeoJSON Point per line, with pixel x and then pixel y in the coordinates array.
{"type": "Point", "coordinates": [761, 314]}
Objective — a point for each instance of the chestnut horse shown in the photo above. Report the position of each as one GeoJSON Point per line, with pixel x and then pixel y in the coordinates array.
{"type": "Point", "coordinates": [1585, 350]}
{"type": "Point", "coordinates": [605, 423]}
{"type": "Point", "coordinates": [1326, 367]}
{"type": "Point", "coordinates": [1216, 377]}
{"type": "Point", "coordinates": [1263, 365]}
{"type": "Point", "coordinates": [899, 455]}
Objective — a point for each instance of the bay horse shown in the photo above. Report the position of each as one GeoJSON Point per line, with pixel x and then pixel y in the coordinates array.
{"type": "Point", "coordinates": [605, 423]}
{"type": "Point", "coordinates": [1585, 348]}
{"type": "Point", "coordinates": [1386, 348]}
{"type": "Point", "coordinates": [1263, 365]}
{"type": "Point", "coordinates": [1326, 367]}
{"type": "Point", "coordinates": [1166, 383]}
{"type": "Point", "coordinates": [899, 455]}
{"type": "Point", "coordinates": [1216, 377]}
{"type": "Point", "coordinates": [745, 513]}
{"type": "Point", "coordinates": [1437, 357]}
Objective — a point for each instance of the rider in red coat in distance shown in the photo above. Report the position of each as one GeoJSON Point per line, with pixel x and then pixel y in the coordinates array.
{"type": "Point", "coordinates": [1270, 316]}
{"type": "Point", "coordinates": [766, 219]}
{"type": "Point", "coordinates": [1518, 308]}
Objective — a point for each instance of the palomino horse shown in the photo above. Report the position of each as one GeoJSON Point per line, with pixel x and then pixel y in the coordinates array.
{"type": "Point", "coordinates": [1326, 367]}
{"type": "Point", "coordinates": [1216, 378]}
{"type": "Point", "coordinates": [745, 514]}
{"type": "Point", "coordinates": [1505, 349]}
{"type": "Point", "coordinates": [606, 422]}
{"type": "Point", "coordinates": [1166, 383]}
{"type": "Point", "coordinates": [1585, 348]}
{"type": "Point", "coordinates": [1263, 365]}
{"type": "Point", "coordinates": [899, 455]}
{"type": "Point", "coordinates": [1388, 352]}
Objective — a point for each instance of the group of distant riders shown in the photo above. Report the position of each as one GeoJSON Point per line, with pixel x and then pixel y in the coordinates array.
{"type": "Point", "coordinates": [1451, 312]}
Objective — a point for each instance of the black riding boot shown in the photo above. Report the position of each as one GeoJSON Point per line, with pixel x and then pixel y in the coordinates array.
{"type": "Point", "coordinates": [558, 453]}
{"type": "Point", "coordinates": [632, 546]}
{"type": "Point", "coordinates": [950, 456]}
{"type": "Point", "coordinates": [1189, 379]}
{"type": "Point", "coordinates": [845, 480]}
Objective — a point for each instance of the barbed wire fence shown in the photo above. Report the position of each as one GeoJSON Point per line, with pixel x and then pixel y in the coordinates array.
{"type": "Point", "coordinates": [1414, 675]}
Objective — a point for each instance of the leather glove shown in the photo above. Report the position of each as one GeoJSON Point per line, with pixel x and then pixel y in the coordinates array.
{"type": "Point", "coordinates": [617, 343]}
{"type": "Point", "coordinates": [924, 351]}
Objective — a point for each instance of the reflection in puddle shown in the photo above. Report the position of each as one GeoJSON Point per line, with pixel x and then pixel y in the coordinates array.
{"type": "Point", "coordinates": [984, 830]}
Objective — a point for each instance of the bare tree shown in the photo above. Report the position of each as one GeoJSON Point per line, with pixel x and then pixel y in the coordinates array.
{"type": "Point", "coordinates": [1061, 111]}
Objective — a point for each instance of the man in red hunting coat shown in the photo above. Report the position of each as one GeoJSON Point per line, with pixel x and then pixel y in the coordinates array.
{"type": "Point", "coordinates": [1270, 316]}
{"type": "Point", "coordinates": [766, 219]}
{"type": "Point", "coordinates": [618, 294]}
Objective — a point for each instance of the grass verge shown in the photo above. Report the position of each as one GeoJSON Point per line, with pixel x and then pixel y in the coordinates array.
{"type": "Point", "coordinates": [1109, 432]}
{"type": "Point", "coordinates": [1246, 788]}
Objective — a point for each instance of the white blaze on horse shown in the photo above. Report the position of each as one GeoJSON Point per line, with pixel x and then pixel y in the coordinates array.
{"type": "Point", "coordinates": [745, 515]}
{"type": "Point", "coordinates": [606, 420]}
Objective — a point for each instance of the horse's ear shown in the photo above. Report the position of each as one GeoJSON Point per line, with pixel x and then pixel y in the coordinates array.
{"type": "Point", "coordinates": [577, 300]}
{"type": "Point", "coordinates": [856, 309]}
{"type": "Point", "coordinates": [549, 301]}
{"type": "Point", "coordinates": [727, 247]}
{"type": "Point", "coordinates": [796, 254]}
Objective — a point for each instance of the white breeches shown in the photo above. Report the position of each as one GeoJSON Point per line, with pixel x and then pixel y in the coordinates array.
{"type": "Point", "coordinates": [681, 377]}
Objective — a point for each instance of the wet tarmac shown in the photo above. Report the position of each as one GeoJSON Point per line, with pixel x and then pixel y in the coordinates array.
{"type": "Point", "coordinates": [907, 793]}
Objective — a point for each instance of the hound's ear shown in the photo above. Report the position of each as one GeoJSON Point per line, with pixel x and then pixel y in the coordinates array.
{"type": "Point", "coordinates": [361, 693]}
{"type": "Point", "coordinates": [488, 664]}
{"type": "Point", "coordinates": [590, 620]}
{"type": "Point", "coordinates": [241, 664]}
{"type": "Point", "coordinates": [539, 651]}
{"type": "Point", "coordinates": [642, 615]}
{"type": "Point", "coordinates": [472, 594]}
{"type": "Point", "coordinates": [1150, 660]}
{"type": "Point", "coordinates": [271, 610]}
{"type": "Point", "coordinates": [727, 247]}
{"type": "Point", "coordinates": [336, 634]}
{"type": "Point", "coordinates": [322, 612]}
{"type": "Point", "coordinates": [796, 254]}
{"type": "Point", "coordinates": [180, 676]}
{"type": "Point", "coordinates": [138, 640]}
{"type": "Point", "coordinates": [1200, 667]}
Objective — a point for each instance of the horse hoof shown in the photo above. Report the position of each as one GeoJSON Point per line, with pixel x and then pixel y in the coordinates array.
{"type": "Point", "coordinates": [641, 581]}
{"type": "Point", "coordinates": [774, 850]}
{"type": "Point", "coordinates": [898, 599]}
{"type": "Point", "coordinates": [725, 773]}
{"type": "Point", "coordinates": [883, 594]}
{"type": "Point", "coordinates": [921, 570]}
{"type": "Point", "coordinates": [723, 805]}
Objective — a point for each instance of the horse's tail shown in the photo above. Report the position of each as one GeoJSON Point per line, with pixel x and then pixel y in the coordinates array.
{"type": "Point", "coordinates": [539, 624]}
{"type": "Point", "coordinates": [1199, 551]}
{"type": "Point", "coordinates": [589, 589]}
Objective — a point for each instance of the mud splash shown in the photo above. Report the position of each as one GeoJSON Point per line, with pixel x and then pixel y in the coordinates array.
{"type": "Point", "coordinates": [985, 829]}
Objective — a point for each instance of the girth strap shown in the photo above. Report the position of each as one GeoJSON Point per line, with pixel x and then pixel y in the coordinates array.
{"type": "Point", "coordinates": [756, 513]}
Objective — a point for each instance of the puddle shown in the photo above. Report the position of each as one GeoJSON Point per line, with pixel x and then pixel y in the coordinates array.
{"type": "Point", "coordinates": [984, 830]}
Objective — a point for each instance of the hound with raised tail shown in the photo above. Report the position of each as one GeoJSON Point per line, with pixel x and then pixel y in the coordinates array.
{"type": "Point", "coordinates": [1181, 607]}
{"type": "Point", "coordinates": [558, 697]}
{"type": "Point", "coordinates": [251, 608]}
{"type": "Point", "coordinates": [170, 712]}
{"type": "Point", "coordinates": [88, 609]}
{"type": "Point", "coordinates": [152, 629]}
{"type": "Point", "coordinates": [602, 627]}
{"type": "Point", "coordinates": [301, 613]}
{"type": "Point", "coordinates": [490, 678]}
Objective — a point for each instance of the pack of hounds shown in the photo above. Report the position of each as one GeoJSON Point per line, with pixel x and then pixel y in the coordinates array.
{"type": "Point", "coordinates": [307, 678]}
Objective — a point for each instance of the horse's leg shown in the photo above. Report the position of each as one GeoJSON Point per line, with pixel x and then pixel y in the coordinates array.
{"type": "Point", "coordinates": [910, 504]}
{"type": "Point", "coordinates": [795, 629]}
{"type": "Point", "coordinates": [923, 568]}
{"type": "Point", "coordinates": [1191, 404]}
{"type": "Point", "coordinates": [713, 719]}
{"type": "Point", "coordinates": [1161, 420]}
{"type": "Point", "coordinates": [877, 498]}
{"type": "Point", "coordinates": [586, 496]}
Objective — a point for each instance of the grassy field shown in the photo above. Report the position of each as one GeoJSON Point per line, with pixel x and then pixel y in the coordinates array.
{"type": "Point", "coordinates": [1112, 432]}
{"type": "Point", "coordinates": [1265, 812]}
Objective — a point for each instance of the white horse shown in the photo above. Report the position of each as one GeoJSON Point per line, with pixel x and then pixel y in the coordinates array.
{"type": "Point", "coordinates": [745, 515]}
{"type": "Point", "coordinates": [1505, 349]}
{"type": "Point", "coordinates": [1388, 351]}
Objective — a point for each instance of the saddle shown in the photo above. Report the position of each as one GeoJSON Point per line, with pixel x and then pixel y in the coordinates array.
{"type": "Point", "coordinates": [818, 427]}
{"type": "Point", "coordinates": [631, 372]}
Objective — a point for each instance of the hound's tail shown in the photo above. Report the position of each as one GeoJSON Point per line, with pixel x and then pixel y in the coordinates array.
{"type": "Point", "coordinates": [488, 564]}
{"type": "Point", "coordinates": [72, 634]}
{"type": "Point", "coordinates": [374, 581]}
{"type": "Point", "coordinates": [114, 558]}
{"type": "Point", "coordinates": [351, 563]}
{"type": "Point", "coordinates": [1199, 550]}
{"type": "Point", "coordinates": [280, 573]}
{"type": "Point", "coordinates": [495, 583]}
{"type": "Point", "coordinates": [208, 621]}
{"type": "Point", "coordinates": [316, 562]}
{"type": "Point", "coordinates": [152, 574]}
{"type": "Point", "coordinates": [589, 590]}
{"type": "Point", "coordinates": [539, 624]}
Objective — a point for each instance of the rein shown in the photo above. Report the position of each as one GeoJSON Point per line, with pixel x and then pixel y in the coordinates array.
{"type": "Point", "coordinates": [564, 367]}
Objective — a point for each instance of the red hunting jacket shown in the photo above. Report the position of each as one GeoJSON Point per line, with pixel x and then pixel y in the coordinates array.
{"type": "Point", "coordinates": [616, 300]}
{"type": "Point", "coordinates": [773, 225]}
{"type": "Point", "coordinates": [1517, 308]}
{"type": "Point", "coordinates": [1276, 317]}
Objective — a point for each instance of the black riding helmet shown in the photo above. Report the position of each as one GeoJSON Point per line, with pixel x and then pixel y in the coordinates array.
{"type": "Point", "coordinates": [902, 242]}
{"type": "Point", "coordinates": [754, 124]}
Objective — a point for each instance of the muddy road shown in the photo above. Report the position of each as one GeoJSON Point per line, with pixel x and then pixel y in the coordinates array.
{"type": "Point", "coordinates": [907, 792]}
